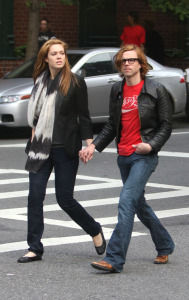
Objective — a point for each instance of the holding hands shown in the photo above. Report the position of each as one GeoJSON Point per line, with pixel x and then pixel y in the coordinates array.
{"type": "Point", "coordinates": [86, 154]}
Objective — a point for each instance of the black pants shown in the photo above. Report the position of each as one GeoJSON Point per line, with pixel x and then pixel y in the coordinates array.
{"type": "Point", "coordinates": [65, 169]}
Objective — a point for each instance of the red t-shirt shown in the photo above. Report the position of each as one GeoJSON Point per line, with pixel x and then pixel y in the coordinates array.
{"type": "Point", "coordinates": [130, 133]}
{"type": "Point", "coordinates": [133, 35]}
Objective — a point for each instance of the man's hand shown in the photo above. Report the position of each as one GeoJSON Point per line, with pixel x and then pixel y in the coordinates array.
{"type": "Point", "coordinates": [142, 148]}
{"type": "Point", "coordinates": [86, 154]}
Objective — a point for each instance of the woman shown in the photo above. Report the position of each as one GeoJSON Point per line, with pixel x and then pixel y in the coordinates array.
{"type": "Point", "coordinates": [58, 100]}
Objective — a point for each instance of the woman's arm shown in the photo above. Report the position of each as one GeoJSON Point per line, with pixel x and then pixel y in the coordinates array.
{"type": "Point", "coordinates": [88, 141]}
{"type": "Point", "coordinates": [85, 124]}
{"type": "Point", "coordinates": [33, 132]}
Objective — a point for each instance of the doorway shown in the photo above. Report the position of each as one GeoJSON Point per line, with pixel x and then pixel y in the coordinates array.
{"type": "Point", "coordinates": [97, 26]}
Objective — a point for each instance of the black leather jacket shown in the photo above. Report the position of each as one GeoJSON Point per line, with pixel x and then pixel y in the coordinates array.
{"type": "Point", "coordinates": [154, 113]}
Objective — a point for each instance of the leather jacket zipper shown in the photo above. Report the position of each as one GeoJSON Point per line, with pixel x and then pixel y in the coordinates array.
{"type": "Point", "coordinates": [139, 118]}
{"type": "Point", "coordinates": [118, 124]}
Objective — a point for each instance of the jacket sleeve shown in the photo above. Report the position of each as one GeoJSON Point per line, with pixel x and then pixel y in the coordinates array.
{"type": "Point", "coordinates": [108, 133]}
{"type": "Point", "coordinates": [164, 115]}
{"type": "Point", "coordinates": [85, 124]}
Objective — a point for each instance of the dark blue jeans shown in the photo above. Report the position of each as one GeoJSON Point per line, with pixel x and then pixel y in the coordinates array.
{"type": "Point", "coordinates": [135, 171]}
{"type": "Point", "coordinates": [65, 169]}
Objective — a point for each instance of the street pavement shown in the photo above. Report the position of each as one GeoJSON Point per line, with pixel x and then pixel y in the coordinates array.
{"type": "Point", "coordinates": [65, 271]}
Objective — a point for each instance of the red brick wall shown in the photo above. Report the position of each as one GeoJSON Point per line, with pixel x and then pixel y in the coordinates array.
{"type": "Point", "coordinates": [63, 21]}
{"type": "Point", "coordinates": [7, 65]}
{"type": "Point", "coordinates": [20, 22]}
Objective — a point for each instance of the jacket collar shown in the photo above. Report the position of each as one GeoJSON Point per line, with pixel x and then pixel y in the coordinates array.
{"type": "Point", "coordinates": [148, 87]}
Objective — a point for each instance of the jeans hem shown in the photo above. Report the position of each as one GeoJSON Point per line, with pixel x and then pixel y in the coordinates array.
{"type": "Point", "coordinates": [117, 270]}
{"type": "Point", "coordinates": [35, 252]}
{"type": "Point", "coordinates": [166, 252]}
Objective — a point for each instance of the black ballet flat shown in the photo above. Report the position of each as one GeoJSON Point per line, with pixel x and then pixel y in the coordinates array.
{"type": "Point", "coordinates": [101, 249]}
{"type": "Point", "coordinates": [26, 259]}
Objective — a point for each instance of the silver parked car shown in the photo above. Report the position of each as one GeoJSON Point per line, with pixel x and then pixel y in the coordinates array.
{"type": "Point", "coordinates": [97, 67]}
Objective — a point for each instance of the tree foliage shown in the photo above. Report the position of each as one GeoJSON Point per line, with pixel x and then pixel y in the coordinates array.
{"type": "Point", "coordinates": [179, 8]}
{"type": "Point", "coordinates": [175, 7]}
{"type": "Point", "coordinates": [29, 3]}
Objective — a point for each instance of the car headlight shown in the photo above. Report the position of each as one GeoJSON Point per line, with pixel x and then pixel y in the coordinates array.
{"type": "Point", "coordinates": [13, 98]}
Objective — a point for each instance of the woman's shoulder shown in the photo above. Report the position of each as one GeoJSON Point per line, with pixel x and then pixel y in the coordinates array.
{"type": "Point", "coordinates": [77, 77]}
{"type": "Point", "coordinates": [78, 80]}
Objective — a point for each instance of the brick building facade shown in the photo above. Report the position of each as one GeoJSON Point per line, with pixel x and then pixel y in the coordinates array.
{"type": "Point", "coordinates": [65, 22]}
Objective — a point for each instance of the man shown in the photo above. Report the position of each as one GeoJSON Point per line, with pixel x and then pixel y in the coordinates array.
{"type": "Point", "coordinates": [44, 33]}
{"type": "Point", "coordinates": [133, 33]}
{"type": "Point", "coordinates": [140, 120]}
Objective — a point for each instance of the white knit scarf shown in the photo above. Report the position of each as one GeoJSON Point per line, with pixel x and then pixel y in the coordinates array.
{"type": "Point", "coordinates": [41, 111]}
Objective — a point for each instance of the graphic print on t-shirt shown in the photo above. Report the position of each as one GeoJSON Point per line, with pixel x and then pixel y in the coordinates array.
{"type": "Point", "coordinates": [130, 133]}
{"type": "Point", "coordinates": [129, 103]}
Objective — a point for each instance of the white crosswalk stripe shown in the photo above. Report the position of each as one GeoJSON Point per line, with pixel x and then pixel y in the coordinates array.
{"type": "Point", "coordinates": [20, 214]}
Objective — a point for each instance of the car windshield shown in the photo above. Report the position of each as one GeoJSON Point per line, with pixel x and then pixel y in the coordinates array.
{"type": "Point", "coordinates": [25, 70]}
{"type": "Point", "coordinates": [73, 58]}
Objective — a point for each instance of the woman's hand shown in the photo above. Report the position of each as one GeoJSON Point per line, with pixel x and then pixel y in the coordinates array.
{"type": "Point", "coordinates": [86, 154]}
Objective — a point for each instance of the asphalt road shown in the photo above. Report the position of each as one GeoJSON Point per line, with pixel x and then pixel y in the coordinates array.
{"type": "Point", "coordinates": [65, 271]}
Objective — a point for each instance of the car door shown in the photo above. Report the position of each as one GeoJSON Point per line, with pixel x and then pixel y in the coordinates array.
{"type": "Point", "coordinates": [99, 75]}
{"type": "Point", "coordinates": [173, 80]}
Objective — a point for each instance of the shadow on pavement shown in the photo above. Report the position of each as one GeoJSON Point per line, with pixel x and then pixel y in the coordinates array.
{"type": "Point", "coordinates": [15, 133]}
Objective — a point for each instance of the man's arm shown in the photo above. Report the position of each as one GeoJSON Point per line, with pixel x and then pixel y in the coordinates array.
{"type": "Point", "coordinates": [165, 119]}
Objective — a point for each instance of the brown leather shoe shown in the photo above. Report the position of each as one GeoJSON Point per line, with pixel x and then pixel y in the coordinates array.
{"type": "Point", "coordinates": [102, 265]}
{"type": "Point", "coordinates": [161, 259]}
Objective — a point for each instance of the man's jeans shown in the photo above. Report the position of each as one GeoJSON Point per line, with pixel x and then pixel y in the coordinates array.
{"type": "Point", "coordinates": [135, 171]}
{"type": "Point", "coordinates": [65, 169]}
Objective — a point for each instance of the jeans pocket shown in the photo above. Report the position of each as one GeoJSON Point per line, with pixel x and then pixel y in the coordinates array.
{"type": "Point", "coordinates": [153, 161]}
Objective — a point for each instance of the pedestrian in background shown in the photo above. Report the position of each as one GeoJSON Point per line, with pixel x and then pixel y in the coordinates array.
{"type": "Point", "coordinates": [140, 119]}
{"type": "Point", "coordinates": [58, 100]}
{"type": "Point", "coordinates": [133, 33]}
{"type": "Point", "coordinates": [45, 33]}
